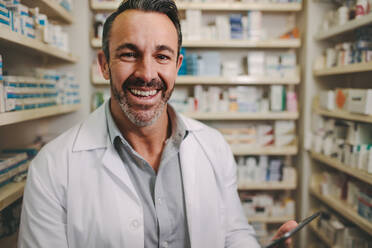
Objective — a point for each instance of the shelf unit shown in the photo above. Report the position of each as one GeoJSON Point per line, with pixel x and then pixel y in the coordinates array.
{"type": "Point", "coordinates": [334, 163]}
{"type": "Point", "coordinates": [344, 74]}
{"type": "Point", "coordinates": [52, 9]}
{"type": "Point", "coordinates": [342, 29]}
{"type": "Point", "coordinates": [247, 150]}
{"type": "Point", "coordinates": [343, 209]}
{"type": "Point", "coordinates": [10, 193]}
{"type": "Point", "coordinates": [241, 116]}
{"type": "Point", "coordinates": [34, 114]}
{"type": "Point", "coordinates": [273, 43]}
{"type": "Point", "coordinates": [22, 47]}
{"type": "Point", "coordinates": [15, 40]}
{"type": "Point", "coordinates": [346, 69]}
{"type": "Point", "coordinates": [218, 6]}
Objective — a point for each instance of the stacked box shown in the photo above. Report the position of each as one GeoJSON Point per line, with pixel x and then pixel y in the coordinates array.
{"type": "Point", "coordinates": [12, 165]}
{"type": "Point", "coordinates": [4, 15]}
{"type": "Point", "coordinates": [22, 93]}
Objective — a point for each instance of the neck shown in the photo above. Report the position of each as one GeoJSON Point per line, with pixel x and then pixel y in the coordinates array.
{"type": "Point", "coordinates": [147, 141]}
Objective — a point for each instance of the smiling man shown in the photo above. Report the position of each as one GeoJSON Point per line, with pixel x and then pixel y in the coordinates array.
{"type": "Point", "coordinates": [135, 173]}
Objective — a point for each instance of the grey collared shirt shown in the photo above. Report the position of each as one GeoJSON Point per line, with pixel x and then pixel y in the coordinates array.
{"type": "Point", "coordinates": [162, 193]}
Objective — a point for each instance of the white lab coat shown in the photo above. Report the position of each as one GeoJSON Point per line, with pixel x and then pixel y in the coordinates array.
{"type": "Point", "coordinates": [79, 195]}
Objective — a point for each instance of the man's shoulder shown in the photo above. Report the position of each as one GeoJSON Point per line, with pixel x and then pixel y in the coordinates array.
{"type": "Point", "coordinates": [75, 137]}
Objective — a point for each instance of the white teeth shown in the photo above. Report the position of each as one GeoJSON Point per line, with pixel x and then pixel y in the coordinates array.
{"type": "Point", "coordinates": [143, 93]}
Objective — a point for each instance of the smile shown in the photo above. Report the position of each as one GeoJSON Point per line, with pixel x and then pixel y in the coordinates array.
{"type": "Point", "coordinates": [143, 93]}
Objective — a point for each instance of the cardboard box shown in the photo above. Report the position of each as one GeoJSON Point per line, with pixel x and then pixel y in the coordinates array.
{"type": "Point", "coordinates": [360, 101]}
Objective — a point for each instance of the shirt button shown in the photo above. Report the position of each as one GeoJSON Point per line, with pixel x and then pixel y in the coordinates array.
{"type": "Point", "coordinates": [135, 224]}
{"type": "Point", "coordinates": [165, 244]}
{"type": "Point", "coordinates": [159, 201]}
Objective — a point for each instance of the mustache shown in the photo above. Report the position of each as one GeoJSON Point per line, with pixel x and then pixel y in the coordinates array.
{"type": "Point", "coordinates": [158, 84]}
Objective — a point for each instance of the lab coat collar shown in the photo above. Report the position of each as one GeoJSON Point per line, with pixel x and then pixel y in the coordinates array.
{"type": "Point", "coordinates": [93, 132]}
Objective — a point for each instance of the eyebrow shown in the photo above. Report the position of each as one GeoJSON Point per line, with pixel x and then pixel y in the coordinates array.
{"type": "Point", "coordinates": [130, 46]}
{"type": "Point", "coordinates": [164, 47]}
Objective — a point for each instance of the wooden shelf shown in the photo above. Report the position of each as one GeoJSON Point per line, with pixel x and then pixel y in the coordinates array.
{"type": "Point", "coordinates": [33, 114]}
{"type": "Point", "coordinates": [10, 193]}
{"type": "Point", "coordinates": [346, 69]}
{"type": "Point", "coordinates": [274, 43]}
{"type": "Point", "coordinates": [52, 9]}
{"type": "Point", "coordinates": [334, 163]}
{"type": "Point", "coordinates": [10, 38]}
{"type": "Point", "coordinates": [347, 27]}
{"type": "Point", "coordinates": [343, 209]}
{"type": "Point", "coordinates": [232, 81]}
{"type": "Point", "coordinates": [215, 6]}
{"type": "Point", "coordinates": [246, 150]}
{"type": "Point", "coordinates": [270, 219]}
{"type": "Point", "coordinates": [238, 80]}
{"type": "Point", "coordinates": [321, 235]}
{"type": "Point", "coordinates": [268, 186]}
{"type": "Point", "coordinates": [343, 115]}
{"type": "Point", "coordinates": [284, 115]}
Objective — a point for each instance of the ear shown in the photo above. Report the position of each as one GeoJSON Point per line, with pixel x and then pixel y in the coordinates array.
{"type": "Point", "coordinates": [179, 62]}
{"type": "Point", "coordinates": [103, 63]}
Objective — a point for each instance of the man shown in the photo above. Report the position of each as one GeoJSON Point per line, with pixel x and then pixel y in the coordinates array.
{"type": "Point", "coordinates": [135, 173]}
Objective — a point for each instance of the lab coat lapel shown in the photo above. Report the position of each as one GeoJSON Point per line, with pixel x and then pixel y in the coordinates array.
{"type": "Point", "coordinates": [188, 157]}
{"type": "Point", "coordinates": [115, 166]}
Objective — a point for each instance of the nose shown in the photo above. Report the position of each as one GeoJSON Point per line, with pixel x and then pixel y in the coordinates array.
{"type": "Point", "coordinates": [146, 69]}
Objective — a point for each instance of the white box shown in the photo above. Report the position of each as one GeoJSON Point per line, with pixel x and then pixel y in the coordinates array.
{"type": "Point", "coordinates": [360, 101]}
{"type": "Point", "coordinates": [327, 99]}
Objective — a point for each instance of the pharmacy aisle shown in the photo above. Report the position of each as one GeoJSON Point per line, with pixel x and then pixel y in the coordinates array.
{"type": "Point", "coordinates": [339, 143]}
{"type": "Point", "coordinates": [39, 91]}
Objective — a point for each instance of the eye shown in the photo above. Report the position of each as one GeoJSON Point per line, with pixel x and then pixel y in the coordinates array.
{"type": "Point", "coordinates": [162, 57]}
{"type": "Point", "coordinates": [128, 55]}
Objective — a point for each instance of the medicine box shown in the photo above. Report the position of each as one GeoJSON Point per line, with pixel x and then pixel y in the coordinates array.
{"type": "Point", "coordinates": [360, 101]}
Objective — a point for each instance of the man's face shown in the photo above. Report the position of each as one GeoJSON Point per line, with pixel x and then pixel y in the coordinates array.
{"type": "Point", "coordinates": [143, 64]}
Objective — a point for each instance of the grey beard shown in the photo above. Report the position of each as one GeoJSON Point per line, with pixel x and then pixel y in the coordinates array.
{"type": "Point", "coordinates": [136, 118]}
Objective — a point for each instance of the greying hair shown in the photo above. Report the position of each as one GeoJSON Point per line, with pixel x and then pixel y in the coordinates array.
{"type": "Point", "coordinates": [167, 7]}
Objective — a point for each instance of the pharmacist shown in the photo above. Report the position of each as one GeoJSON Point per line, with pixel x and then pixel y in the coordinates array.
{"type": "Point", "coordinates": [135, 173]}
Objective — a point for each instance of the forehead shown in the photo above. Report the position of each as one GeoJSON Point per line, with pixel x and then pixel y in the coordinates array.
{"type": "Point", "coordinates": [143, 29]}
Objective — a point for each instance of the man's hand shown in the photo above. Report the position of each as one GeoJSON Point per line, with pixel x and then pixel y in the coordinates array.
{"type": "Point", "coordinates": [286, 227]}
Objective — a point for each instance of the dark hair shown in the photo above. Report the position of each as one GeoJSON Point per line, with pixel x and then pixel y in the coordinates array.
{"type": "Point", "coordinates": [167, 7]}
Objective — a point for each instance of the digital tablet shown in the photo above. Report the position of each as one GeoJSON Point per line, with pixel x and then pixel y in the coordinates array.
{"type": "Point", "coordinates": [293, 231]}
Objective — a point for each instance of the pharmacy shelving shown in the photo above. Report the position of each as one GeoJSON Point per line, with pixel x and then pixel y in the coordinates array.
{"type": "Point", "coordinates": [247, 150]}
{"type": "Point", "coordinates": [272, 43]}
{"type": "Point", "coordinates": [322, 236]}
{"type": "Point", "coordinates": [334, 163]}
{"type": "Point", "coordinates": [343, 209]}
{"type": "Point", "coordinates": [15, 40]}
{"type": "Point", "coordinates": [242, 116]}
{"type": "Point", "coordinates": [270, 219]}
{"type": "Point", "coordinates": [347, 27]}
{"type": "Point", "coordinates": [34, 114]}
{"type": "Point", "coordinates": [215, 80]}
{"type": "Point", "coordinates": [346, 69]}
{"type": "Point", "coordinates": [10, 193]}
{"type": "Point", "coordinates": [342, 115]}
{"type": "Point", "coordinates": [52, 9]}
{"type": "Point", "coordinates": [215, 6]}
